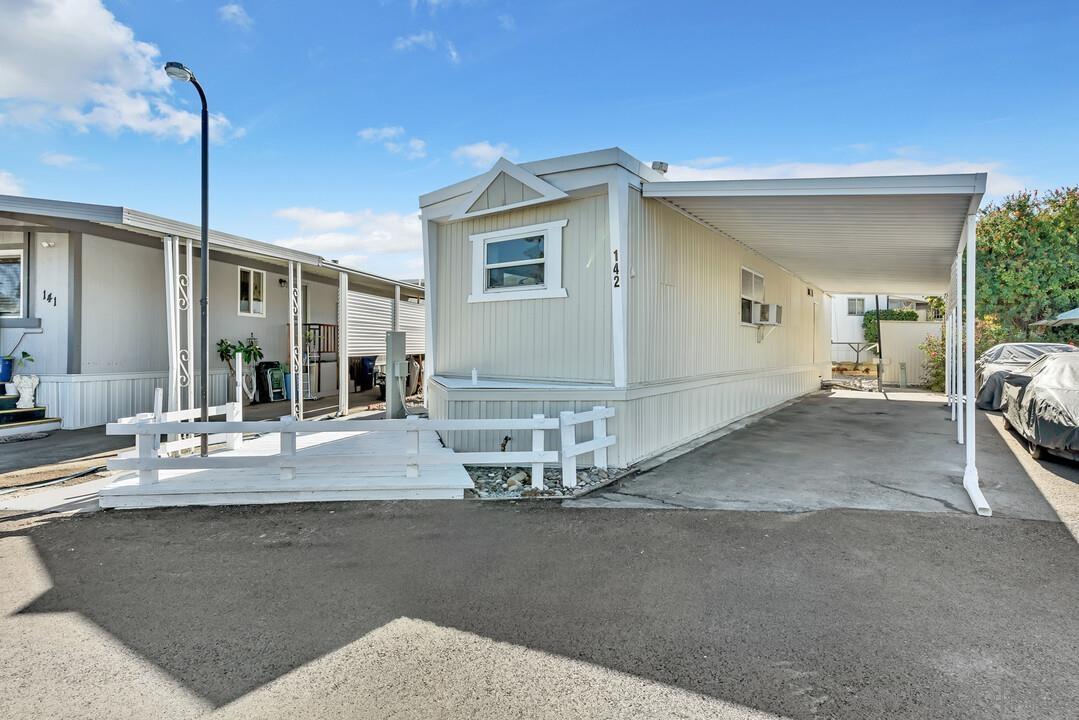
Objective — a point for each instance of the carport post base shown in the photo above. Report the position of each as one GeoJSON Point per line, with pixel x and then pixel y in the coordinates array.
{"type": "Point", "coordinates": [974, 490]}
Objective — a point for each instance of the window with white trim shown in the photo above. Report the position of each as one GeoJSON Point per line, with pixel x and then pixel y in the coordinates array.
{"type": "Point", "coordinates": [12, 283]}
{"type": "Point", "coordinates": [752, 291]}
{"type": "Point", "coordinates": [855, 306]}
{"type": "Point", "coordinates": [251, 292]}
{"type": "Point", "coordinates": [523, 263]}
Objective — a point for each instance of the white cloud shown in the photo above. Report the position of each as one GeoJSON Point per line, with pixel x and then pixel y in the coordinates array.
{"type": "Point", "coordinates": [393, 139]}
{"type": "Point", "coordinates": [424, 39]}
{"type": "Point", "coordinates": [104, 77]}
{"type": "Point", "coordinates": [386, 243]}
{"type": "Point", "coordinates": [59, 159]}
{"type": "Point", "coordinates": [483, 154]}
{"type": "Point", "coordinates": [235, 14]}
{"type": "Point", "coordinates": [451, 53]}
{"type": "Point", "coordinates": [375, 134]}
{"type": "Point", "coordinates": [507, 22]}
{"type": "Point", "coordinates": [709, 161]}
{"type": "Point", "coordinates": [9, 184]}
{"type": "Point", "coordinates": [999, 183]}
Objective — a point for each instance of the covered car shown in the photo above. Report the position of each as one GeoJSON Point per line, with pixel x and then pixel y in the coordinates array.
{"type": "Point", "coordinates": [1042, 405]}
{"type": "Point", "coordinates": [997, 362]}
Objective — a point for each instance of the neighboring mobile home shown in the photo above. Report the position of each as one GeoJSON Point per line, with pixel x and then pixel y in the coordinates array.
{"type": "Point", "coordinates": [106, 300]}
{"type": "Point", "coordinates": [591, 279]}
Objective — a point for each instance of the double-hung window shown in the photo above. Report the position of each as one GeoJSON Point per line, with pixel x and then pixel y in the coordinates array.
{"type": "Point", "coordinates": [855, 306]}
{"type": "Point", "coordinates": [252, 292]}
{"type": "Point", "coordinates": [12, 283]}
{"type": "Point", "coordinates": [518, 264]}
{"type": "Point", "coordinates": [752, 291]}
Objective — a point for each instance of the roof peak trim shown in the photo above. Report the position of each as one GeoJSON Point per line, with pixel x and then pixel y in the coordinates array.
{"type": "Point", "coordinates": [547, 192]}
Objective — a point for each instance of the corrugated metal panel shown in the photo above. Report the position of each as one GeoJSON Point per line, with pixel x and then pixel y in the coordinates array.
{"type": "Point", "coordinates": [901, 340]}
{"type": "Point", "coordinates": [560, 339]}
{"type": "Point", "coordinates": [684, 303]}
{"type": "Point", "coordinates": [368, 322]}
{"type": "Point", "coordinates": [412, 320]}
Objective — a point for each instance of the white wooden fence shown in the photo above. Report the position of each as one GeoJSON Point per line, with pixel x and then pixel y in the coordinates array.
{"type": "Point", "coordinates": [150, 457]}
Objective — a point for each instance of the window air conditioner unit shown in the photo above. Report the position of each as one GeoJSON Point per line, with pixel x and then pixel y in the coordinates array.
{"type": "Point", "coordinates": [767, 314]}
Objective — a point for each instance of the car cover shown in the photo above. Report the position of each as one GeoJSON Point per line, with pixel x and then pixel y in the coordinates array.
{"type": "Point", "coordinates": [1020, 354]}
{"type": "Point", "coordinates": [991, 393]}
{"type": "Point", "coordinates": [1048, 411]}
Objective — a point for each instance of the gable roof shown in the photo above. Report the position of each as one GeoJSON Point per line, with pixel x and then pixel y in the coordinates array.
{"type": "Point", "coordinates": [494, 191]}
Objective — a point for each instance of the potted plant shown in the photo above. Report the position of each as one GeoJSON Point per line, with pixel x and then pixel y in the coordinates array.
{"type": "Point", "coordinates": [249, 351]}
{"type": "Point", "coordinates": [12, 362]}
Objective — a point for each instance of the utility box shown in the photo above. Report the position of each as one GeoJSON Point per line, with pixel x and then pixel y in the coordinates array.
{"type": "Point", "coordinates": [396, 374]}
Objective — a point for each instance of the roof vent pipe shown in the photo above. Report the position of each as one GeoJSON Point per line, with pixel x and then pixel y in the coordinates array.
{"type": "Point", "coordinates": [660, 167]}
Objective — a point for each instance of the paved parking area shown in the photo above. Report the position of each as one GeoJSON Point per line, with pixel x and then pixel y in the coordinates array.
{"type": "Point", "coordinates": [473, 610]}
{"type": "Point", "coordinates": [840, 449]}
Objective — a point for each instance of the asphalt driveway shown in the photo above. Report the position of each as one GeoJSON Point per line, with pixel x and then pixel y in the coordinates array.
{"type": "Point", "coordinates": [388, 610]}
{"type": "Point", "coordinates": [841, 449]}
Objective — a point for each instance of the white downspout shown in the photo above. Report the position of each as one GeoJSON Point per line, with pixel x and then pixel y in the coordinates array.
{"type": "Point", "coordinates": [970, 473]}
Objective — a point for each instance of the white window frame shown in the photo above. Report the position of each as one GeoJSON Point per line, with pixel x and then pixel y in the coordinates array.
{"type": "Point", "coordinates": [742, 297]}
{"type": "Point", "coordinates": [855, 314]}
{"type": "Point", "coordinates": [21, 254]}
{"type": "Point", "coordinates": [239, 271]}
{"type": "Point", "coordinates": [552, 264]}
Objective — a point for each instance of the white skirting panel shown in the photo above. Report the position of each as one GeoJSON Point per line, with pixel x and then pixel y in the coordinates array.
{"type": "Point", "coordinates": [90, 400]}
{"type": "Point", "coordinates": [647, 422]}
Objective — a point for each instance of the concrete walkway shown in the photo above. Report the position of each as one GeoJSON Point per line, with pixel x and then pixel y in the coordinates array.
{"type": "Point", "coordinates": [842, 449]}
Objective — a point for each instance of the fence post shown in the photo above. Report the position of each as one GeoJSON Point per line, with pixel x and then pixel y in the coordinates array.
{"type": "Point", "coordinates": [599, 430]}
{"type": "Point", "coordinates": [537, 447]}
{"type": "Point", "coordinates": [569, 460]}
{"type": "Point", "coordinates": [288, 448]}
{"type": "Point", "coordinates": [412, 447]}
{"type": "Point", "coordinates": [234, 413]}
{"type": "Point", "coordinates": [146, 447]}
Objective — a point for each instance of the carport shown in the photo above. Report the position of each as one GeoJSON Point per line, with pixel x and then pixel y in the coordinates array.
{"type": "Point", "coordinates": [896, 234]}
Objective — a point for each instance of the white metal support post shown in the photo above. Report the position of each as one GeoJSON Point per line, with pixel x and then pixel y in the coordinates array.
{"type": "Point", "coordinates": [970, 473]}
{"type": "Point", "coordinates": [292, 352]}
{"type": "Point", "coordinates": [301, 343]}
{"type": "Point", "coordinates": [960, 351]}
{"type": "Point", "coordinates": [342, 344]}
{"type": "Point", "coordinates": [948, 361]}
{"type": "Point", "coordinates": [186, 288]}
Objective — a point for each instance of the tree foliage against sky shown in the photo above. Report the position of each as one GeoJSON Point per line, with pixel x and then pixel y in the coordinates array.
{"type": "Point", "coordinates": [1028, 262]}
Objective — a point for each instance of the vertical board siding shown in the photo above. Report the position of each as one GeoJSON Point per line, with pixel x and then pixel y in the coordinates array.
{"type": "Point", "coordinates": [684, 302]}
{"type": "Point", "coordinates": [901, 340]}
{"type": "Point", "coordinates": [567, 339]}
{"type": "Point", "coordinates": [90, 400]}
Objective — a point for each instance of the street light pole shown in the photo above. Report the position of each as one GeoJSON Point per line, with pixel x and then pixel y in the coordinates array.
{"type": "Point", "coordinates": [177, 71]}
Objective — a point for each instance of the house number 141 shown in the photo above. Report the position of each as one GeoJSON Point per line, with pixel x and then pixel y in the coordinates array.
{"type": "Point", "coordinates": [615, 271]}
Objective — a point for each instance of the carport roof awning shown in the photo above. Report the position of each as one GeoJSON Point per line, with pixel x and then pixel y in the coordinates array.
{"type": "Point", "coordinates": [896, 234]}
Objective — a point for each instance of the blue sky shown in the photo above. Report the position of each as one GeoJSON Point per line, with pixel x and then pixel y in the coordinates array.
{"type": "Point", "coordinates": [331, 118]}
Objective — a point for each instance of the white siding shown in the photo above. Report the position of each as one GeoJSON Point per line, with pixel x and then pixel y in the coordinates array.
{"type": "Point", "coordinates": [412, 320]}
{"type": "Point", "coordinates": [554, 339]}
{"type": "Point", "coordinates": [368, 322]}
{"type": "Point", "coordinates": [684, 303]}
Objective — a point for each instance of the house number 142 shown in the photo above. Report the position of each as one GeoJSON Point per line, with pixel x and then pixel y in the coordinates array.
{"type": "Point", "coordinates": [615, 271]}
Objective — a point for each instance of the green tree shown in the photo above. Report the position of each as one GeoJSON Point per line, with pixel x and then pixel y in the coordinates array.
{"type": "Point", "coordinates": [1028, 263]}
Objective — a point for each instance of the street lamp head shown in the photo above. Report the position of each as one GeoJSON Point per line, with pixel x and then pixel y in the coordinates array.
{"type": "Point", "coordinates": [177, 71]}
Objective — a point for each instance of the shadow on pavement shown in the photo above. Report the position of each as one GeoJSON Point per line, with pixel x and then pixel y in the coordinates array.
{"type": "Point", "coordinates": [836, 613]}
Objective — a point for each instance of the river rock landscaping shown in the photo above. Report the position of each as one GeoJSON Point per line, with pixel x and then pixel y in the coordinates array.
{"type": "Point", "coordinates": [514, 483]}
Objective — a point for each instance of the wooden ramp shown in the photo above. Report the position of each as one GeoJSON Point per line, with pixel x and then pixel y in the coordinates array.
{"type": "Point", "coordinates": [358, 479]}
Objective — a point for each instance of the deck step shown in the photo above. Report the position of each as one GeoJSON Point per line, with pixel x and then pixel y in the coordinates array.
{"type": "Point", "coordinates": [126, 492]}
{"type": "Point", "coordinates": [18, 415]}
{"type": "Point", "coordinates": [7, 402]}
{"type": "Point", "coordinates": [29, 426]}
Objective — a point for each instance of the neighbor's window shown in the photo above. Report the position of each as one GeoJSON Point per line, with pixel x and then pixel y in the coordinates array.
{"type": "Point", "coordinates": [752, 291]}
{"type": "Point", "coordinates": [518, 263]}
{"type": "Point", "coordinates": [252, 292]}
{"type": "Point", "coordinates": [12, 283]}
{"type": "Point", "coordinates": [856, 306]}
